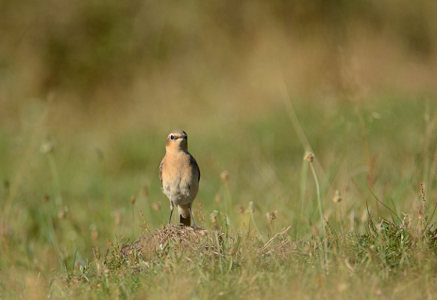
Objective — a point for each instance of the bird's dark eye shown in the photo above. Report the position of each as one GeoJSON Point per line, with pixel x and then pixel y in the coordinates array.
{"type": "Point", "coordinates": [171, 137]}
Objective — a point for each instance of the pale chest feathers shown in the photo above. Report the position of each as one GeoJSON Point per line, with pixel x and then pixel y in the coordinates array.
{"type": "Point", "coordinates": [180, 177]}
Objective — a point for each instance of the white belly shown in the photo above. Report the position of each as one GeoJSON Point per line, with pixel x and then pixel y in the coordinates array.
{"type": "Point", "coordinates": [180, 194]}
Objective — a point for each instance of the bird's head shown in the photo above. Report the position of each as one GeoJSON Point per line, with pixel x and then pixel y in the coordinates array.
{"type": "Point", "coordinates": [177, 141]}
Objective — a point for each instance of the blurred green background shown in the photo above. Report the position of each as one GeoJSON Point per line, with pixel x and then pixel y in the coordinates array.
{"type": "Point", "coordinates": [214, 51]}
{"type": "Point", "coordinates": [90, 89]}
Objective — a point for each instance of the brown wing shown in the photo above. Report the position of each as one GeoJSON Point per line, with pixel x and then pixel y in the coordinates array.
{"type": "Point", "coordinates": [194, 164]}
{"type": "Point", "coordinates": [160, 170]}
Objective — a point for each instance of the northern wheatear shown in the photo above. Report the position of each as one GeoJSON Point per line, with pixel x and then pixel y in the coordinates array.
{"type": "Point", "coordinates": [179, 175]}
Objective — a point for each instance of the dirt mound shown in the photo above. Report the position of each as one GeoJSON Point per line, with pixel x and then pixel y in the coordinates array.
{"type": "Point", "coordinates": [176, 239]}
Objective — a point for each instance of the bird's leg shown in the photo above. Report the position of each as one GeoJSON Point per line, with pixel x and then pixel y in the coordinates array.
{"type": "Point", "coordinates": [171, 211]}
{"type": "Point", "coordinates": [191, 216]}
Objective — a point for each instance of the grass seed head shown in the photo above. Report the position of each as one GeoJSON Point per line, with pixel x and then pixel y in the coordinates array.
{"type": "Point", "coordinates": [62, 214]}
{"type": "Point", "coordinates": [94, 235]}
{"type": "Point", "coordinates": [46, 198]}
{"type": "Point", "coordinates": [156, 206]}
{"type": "Point", "coordinates": [213, 217]}
{"type": "Point", "coordinates": [144, 191]}
{"type": "Point", "coordinates": [47, 146]}
{"type": "Point", "coordinates": [271, 216]}
{"type": "Point", "coordinates": [251, 207]}
{"type": "Point", "coordinates": [6, 184]}
{"type": "Point", "coordinates": [337, 197]}
{"type": "Point", "coordinates": [224, 175]}
{"type": "Point", "coordinates": [309, 157]}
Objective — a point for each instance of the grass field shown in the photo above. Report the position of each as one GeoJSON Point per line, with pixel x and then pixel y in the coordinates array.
{"type": "Point", "coordinates": [314, 124]}
{"type": "Point", "coordinates": [72, 196]}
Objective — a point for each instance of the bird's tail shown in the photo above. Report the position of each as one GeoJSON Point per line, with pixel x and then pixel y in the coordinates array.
{"type": "Point", "coordinates": [184, 215]}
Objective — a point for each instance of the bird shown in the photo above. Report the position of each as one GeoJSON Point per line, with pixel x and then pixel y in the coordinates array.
{"type": "Point", "coordinates": [180, 176]}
